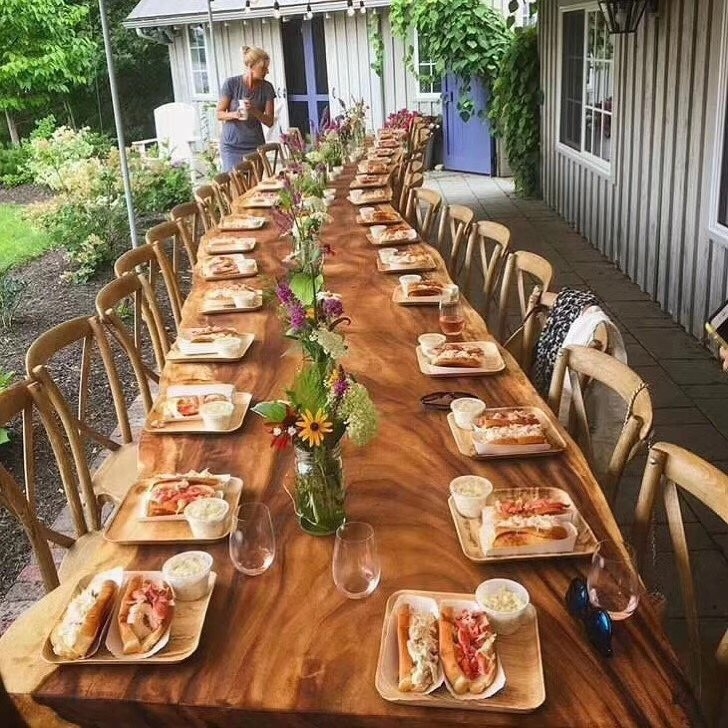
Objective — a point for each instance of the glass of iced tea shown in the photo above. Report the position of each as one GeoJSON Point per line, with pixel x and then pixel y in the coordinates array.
{"type": "Point", "coordinates": [452, 317]}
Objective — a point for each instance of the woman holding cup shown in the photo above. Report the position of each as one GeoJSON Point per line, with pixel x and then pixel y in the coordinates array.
{"type": "Point", "coordinates": [246, 103]}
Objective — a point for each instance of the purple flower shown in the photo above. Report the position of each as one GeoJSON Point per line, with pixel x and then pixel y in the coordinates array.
{"type": "Point", "coordinates": [298, 317]}
{"type": "Point", "coordinates": [285, 294]}
{"type": "Point", "coordinates": [341, 387]}
{"type": "Point", "coordinates": [333, 308]}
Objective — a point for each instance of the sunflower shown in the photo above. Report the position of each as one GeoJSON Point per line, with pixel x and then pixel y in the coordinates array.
{"type": "Point", "coordinates": [314, 427]}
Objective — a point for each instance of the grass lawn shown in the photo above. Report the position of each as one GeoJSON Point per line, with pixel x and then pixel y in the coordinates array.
{"type": "Point", "coordinates": [19, 241]}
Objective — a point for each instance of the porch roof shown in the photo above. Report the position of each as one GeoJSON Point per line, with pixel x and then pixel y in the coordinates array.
{"type": "Point", "coordinates": [156, 13]}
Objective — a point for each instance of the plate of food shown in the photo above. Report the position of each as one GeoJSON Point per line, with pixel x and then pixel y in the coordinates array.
{"type": "Point", "coordinates": [232, 299]}
{"type": "Point", "coordinates": [153, 510]}
{"type": "Point", "coordinates": [517, 523]}
{"type": "Point", "coordinates": [508, 432]}
{"type": "Point", "coordinates": [410, 259]}
{"type": "Point", "coordinates": [209, 343]}
{"type": "Point", "coordinates": [393, 234]}
{"type": "Point", "coordinates": [387, 143]}
{"type": "Point", "coordinates": [423, 293]}
{"type": "Point", "coordinates": [368, 197]}
{"type": "Point", "coordinates": [379, 215]}
{"type": "Point", "coordinates": [258, 199]}
{"type": "Point", "coordinates": [270, 184]}
{"type": "Point", "coordinates": [146, 622]}
{"type": "Point", "coordinates": [439, 650]}
{"type": "Point", "coordinates": [221, 245]}
{"type": "Point", "coordinates": [223, 267]}
{"type": "Point", "coordinates": [383, 153]}
{"type": "Point", "coordinates": [461, 359]}
{"type": "Point", "coordinates": [365, 181]}
{"type": "Point", "coordinates": [242, 222]}
{"type": "Point", "coordinates": [369, 167]}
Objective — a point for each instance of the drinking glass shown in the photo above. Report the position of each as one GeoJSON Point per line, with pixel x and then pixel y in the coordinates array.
{"type": "Point", "coordinates": [252, 541]}
{"type": "Point", "coordinates": [613, 582]}
{"type": "Point", "coordinates": [452, 318]}
{"type": "Point", "coordinates": [355, 566]}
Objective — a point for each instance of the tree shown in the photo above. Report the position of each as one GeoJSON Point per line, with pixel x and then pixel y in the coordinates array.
{"type": "Point", "coordinates": [45, 51]}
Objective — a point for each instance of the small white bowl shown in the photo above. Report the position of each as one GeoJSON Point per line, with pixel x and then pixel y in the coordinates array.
{"type": "Point", "coordinates": [188, 574]}
{"type": "Point", "coordinates": [216, 415]}
{"type": "Point", "coordinates": [503, 622]}
{"type": "Point", "coordinates": [429, 342]}
{"type": "Point", "coordinates": [338, 170]}
{"type": "Point", "coordinates": [245, 299]}
{"type": "Point", "coordinates": [228, 346]}
{"type": "Point", "coordinates": [366, 212]}
{"type": "Point", "coordinates": [209, 517]}
{"type": "Point", "coordinates": [470, 493]}
{"type": "Point", "coordinates": [466, 410]}
{"type": "Point", "coordinates": [247, 265]}
{"type": "Point", "coordinates": [407, 281]}
{"type": "Point", "coordinates": [377, 231]}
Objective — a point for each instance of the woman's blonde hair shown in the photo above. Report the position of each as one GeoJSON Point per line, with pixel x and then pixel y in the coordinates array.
{"type": "Point", "coordinates": [253, 55]}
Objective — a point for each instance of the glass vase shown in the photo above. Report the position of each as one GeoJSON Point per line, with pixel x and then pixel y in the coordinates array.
{"type": "Point", "coordinates": [320, 490]}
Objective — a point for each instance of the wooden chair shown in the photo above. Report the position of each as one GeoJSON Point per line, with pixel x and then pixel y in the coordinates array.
{"type": "Point", "coordinates": [221, 184]}
{"type": "Point", "coordinates": [522, 270]}
{"type": "Point", "coordinates": [25, 399]}
{"type": "Point", "coordinates": [423, 207]}
{"type": "Point", "coordinates": [187, 216]}
{"type": "Point", "coordinates": [206, 200]}
{"type": "Point", "coordinates": [265, 150]}
{"type": "Point", "coordinates": [492, 241]}
{"type": "Point", "coordinates": [257, 163]}
{"type": "Point", "coordinates": [410, 176]}
{"type": "Point", "coordinates": [412, 182]}
{"type": "Point", "coordinates": [584, 366]}
{"type": "Point", "coordinates": [293, 131]}
{"type": "Point", "coordinates": [668, 469]}
{"type": "Point", "coordinates": [458, 219]}
{"type": "Point", "coordinates": [242, 178]}
{"type": "Point", "coordinates": [119, 471]}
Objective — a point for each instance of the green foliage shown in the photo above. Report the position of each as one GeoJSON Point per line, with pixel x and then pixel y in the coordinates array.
{"type": "Point", "coordinates": [19, 242]}
{"type": "Point", "coordinates": [377, 44]}
{"type": "Point", "coordinates": [515, 110]}
{"type": "Point", "coordinates": [473, 45]}
{"type": "Point", "coordinates": [12, 293]}
{"type": "Point", "coordinates": [6, 379]}
{"type": "Point", "coordinates": [13, 170]}
{"type": "Point", "coordinates": [157, 184]}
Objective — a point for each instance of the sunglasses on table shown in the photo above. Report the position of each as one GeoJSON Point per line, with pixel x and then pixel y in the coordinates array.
{"type": "Point", "coordinates": [597, 622]}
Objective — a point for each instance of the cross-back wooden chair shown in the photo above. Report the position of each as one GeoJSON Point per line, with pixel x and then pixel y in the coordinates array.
{"type": "Point", "coordinates": [411, 176]}
{"type": "Point", "coordinates": [456, 220]}
{"type": "Point", "coordinates": [669, 470]}
{"type": "Point", "coordinates": [206, 200]}
{"type": "Point", "coordinates": [396, 181]}
{"type": "Point", "coordinates": [423, 207]}
{"type": "Point", "coordinates": [265, 151]}
{"type": "Point", "coordinates": [222, 186]}
{"type": "Point", "coordinates": [585, 365]}
{"type": "Point", "coordinates": [257, 164]}
{"type": "Point", "coordinates": [131, 296]}
{"type": "Point", "coordinates": [187, 216]}
{"type": "Point", "coordinates": [243, 178]}
{"type": "Point", "coordinates": [411, 182]}
{"type": "Point", "coordinates": [521, 271]}
{"type": "Point", "coordinates": [119, 470]}
{"type": "Point", "coordinates": [293, 131]}
{"type": "Point", "coordinates": [489, 242]}
{"type": "Point", "coordinates": [27, 399]}
{"type": "Point", "coordinates": [165, 238]}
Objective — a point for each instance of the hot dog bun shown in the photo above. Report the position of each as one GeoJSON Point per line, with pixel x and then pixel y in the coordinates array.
{"type": "Point", "coordinates": [146, 612]}
{"type": "Point", "coordinates": [508, 538]}
{"type": "Point", "coordinates": [405, 661]}
{"type": "Point", "coordinates": [417, 648]}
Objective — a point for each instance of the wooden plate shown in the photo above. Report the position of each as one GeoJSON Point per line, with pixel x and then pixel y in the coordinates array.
{"type": "Point", "coordinates": [427, 264]}
{"type": "Point", "coordinates": [399, 297]}
{"type": "Point", "coordinates": [184, 635]}
{"type": "Point", "coordinates": [378, 242]}
{"type": "Point", "coordinates": [174, 354]}
{"type": "Point", "coordinates": [380, 181]}
{"type": "Point", "coordinates": [385, 195]}
{"type": "Point", "coordinates": [467, 530]}
{"type": "Point", "coordinates": [124, 526]}
{"type": "Point", "coordinates": [236, 223]}
{"type": "Point", "coordinates": [255, 202]}
{"type": "Point", "coordinates": [241, 402]}
{"type": "Point", "coordinates": [494, 363]}
{"type": "Point", "coordinates": [519, 653]}
{"type": "Point", "coordinates": [229, 276]}
{"type": "Point", "coordinates": [464, 438]}
{"type": "Point", "coordinates": [396, 217]}
{"type": "Point", "coordinates": [215, 307]}
{"type": "Point", "coordinates": [235, 245]}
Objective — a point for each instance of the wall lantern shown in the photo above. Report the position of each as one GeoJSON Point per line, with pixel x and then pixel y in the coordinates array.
{"type": "Point", "coordinates": [623, 16]}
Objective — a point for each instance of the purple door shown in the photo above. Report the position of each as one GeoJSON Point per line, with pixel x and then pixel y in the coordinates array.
{"type": "Point", "coordinates": [469, 146]}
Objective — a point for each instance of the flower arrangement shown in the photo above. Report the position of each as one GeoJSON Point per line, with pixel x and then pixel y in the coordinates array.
{"type": "Point", "coordinates": [403, 119]}
{"type": "Point", "coordinates": [295, 144]}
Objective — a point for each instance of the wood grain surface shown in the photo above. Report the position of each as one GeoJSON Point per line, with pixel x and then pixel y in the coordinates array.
{"type": "Point", "coordinates": [285, 648]}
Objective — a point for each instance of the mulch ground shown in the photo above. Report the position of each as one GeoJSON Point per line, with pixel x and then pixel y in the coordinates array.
{"type": "Point", "coordinates": [24, 194]}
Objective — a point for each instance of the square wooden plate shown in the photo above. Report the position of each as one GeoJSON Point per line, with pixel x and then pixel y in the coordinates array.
{"type": "Point", "coordinates": [399, 297]}
{"type": "Point", "coordinates": [519, 653]}
{"type": "Point", "coordinates": [229, 276]}
{"type": "Point", "coordinates": [231, 245]}
{"type": "Point", "coordinates": [467, 530]}
{"type": "Point", "coordinates": [383, 241]}
{"type": "Point", "coordinates": [396, 218]}
{"type": "Point", "coordinates": [214, 307]}
{"type": "Point", "coordinates": [493, 363]}
{"type": "Point", "coordinates": [427, 264]}
{"type": "Point", "coordinates": [383, 195]}
{"type": "Point", "coordinates": [464, 438]}
{"type": "Point", "coordinates": [174, 353]}
{"type": "Point", "coordinates": [260, 199]}
{"type": "Point", "coordinates": [380, 180]}
{"type": "Point", "coordinates": [124, 526]}
{"type": "Point", "coordinates": [235, 223]}
{"type": "Point", "coordinates": [241, 402]}
{"type": "Point", "coordinates": [184, 635]}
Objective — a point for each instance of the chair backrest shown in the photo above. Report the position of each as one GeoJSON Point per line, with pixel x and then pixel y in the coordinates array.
{"type": "Point", "coordinates": [266, 151]}
{"type": "Point", "coordinates": [24, 399]}
{"type": "Point", "coordinates": [257, 163]}
{"type": "Point", "coordinates": [584, 366]}
{"type": "Point", "coordinates": [410, 176]}
{"type": "Point", "coordinates": [411, 182]}
{"type": "Point", "coordinates": [668, 469]}
{"type": "Point", "coordinates": [187, 216]}
{"type": "Point", "coordinates": [242, 178]}
{"type": "Point", "coordinates": [176, 128]}
{"type": "Point", "coordinates": [457, 220]}
{"type": "Point", "coordinates": [292, 133]}
{"type": "Point", "coordinates": [207, 205]}
{"type": "Point", "coordinates": [522, 270]}
{"type": "Point", "coordinates": [223, 192]}
{"type": "Point", "coordinates": [423, 207]}
{"type": "Point", "coordinates": [492, 241]}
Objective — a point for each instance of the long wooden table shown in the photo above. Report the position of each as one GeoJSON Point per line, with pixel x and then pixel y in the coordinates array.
{"type": "Point", "coordinates": [285, 648]}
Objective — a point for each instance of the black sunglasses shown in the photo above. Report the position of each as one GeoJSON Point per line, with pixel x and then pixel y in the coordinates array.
{"type": "Point", "coordinates": [597, 622]}
{"type": "Point", "coordinates": [442, 400]}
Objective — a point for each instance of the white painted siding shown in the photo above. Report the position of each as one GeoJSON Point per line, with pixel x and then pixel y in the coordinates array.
{"type": "Point", "coordinates": [651, 218]}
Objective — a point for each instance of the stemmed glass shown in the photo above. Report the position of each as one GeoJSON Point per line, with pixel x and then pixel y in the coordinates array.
{"type": "Point", "coordinates": [252, 541]}
{"type": "Point", "coordinates": [613, 583]}
{"type": "Point", "coordinates": [356, 568]}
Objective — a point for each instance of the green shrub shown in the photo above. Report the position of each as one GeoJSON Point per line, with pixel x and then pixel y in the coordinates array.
{"type": "Point", "coordinates": [13, 166]}
{"type": "Point", "coordinates": [12, 292]}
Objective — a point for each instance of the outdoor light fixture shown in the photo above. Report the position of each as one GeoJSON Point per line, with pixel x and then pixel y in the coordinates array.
{"type": "Point", "coordinates": [247, 6]}
{"type": "Point", "coordinates": [623, 16]}
{"type": "Point", "coordinates": [309, 12]}
{"type": "Point", "coordinates": [362, 9]}
{"type": "Point", "coordinates": [350, 8]}
{"type": "Point", "coordinates": [276, 9]}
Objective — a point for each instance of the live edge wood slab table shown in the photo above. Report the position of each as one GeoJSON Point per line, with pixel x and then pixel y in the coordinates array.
{"type": "Point", "coordinates": [285, 648]}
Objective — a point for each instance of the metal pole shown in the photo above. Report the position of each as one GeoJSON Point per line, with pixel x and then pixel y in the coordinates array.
{"type": "Point", "coordinates": [212, 48]}
{"type": "Point", "coordinates": [117, 122]}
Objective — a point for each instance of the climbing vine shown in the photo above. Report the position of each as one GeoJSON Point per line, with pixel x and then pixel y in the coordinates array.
{"type": "Point", "coordinates": [376, 43]}
{"type": "Point", "coordinates": [464, 37]}
{"type": "Point", "coordinates": [515, 110]}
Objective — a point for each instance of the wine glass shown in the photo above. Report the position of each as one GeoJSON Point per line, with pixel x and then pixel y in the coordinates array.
{"type": "Point", "coordinates": [252, 541]}
{"type": "Point", "coordinates": [452, 317]}
{"type": "Point", "coordinates": [355, 565]}
{"type": "Point", "coordinates": [613, 583]}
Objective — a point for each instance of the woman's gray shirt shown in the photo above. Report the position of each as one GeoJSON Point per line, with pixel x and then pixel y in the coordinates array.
{"type": "Point", "coordinates": [244, 136]}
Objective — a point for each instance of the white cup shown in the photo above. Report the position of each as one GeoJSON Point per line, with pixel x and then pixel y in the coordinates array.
{"type": "Point", "coordinates": [188, 573]}
{"type": "Point", "coordinates": [245, 299]}
{"type": "Point", "coordinates": [503, 622]}
{"type": "Point", "coordinates": [407, 281]}
{"type": "Point", "coordinates": [228, 346]}
{"type": "Point", "coordinates": [377, 231]}
{"type": "Point", "coordinates": [466, 410]}
{"type": "Point", "coordinates": [385, 254]}
{"type": "Point", "coordinates": [366, 212]}
{"type": "Point", "coordinates": [247, 265]}
{"type": "Point", "coordinates": [429, 342]}
{"type": "Point", "coordinates": [243, 105]}
{"type": "Point", "coordinates": [470, 493]}
{"type": "Point", "coordinates": [216, 415]}
{"type": "Point", "coordinates": [208, 517]}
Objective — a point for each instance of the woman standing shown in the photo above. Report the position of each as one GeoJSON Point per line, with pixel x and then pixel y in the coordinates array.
{"type": "Point", "coordinates": [246, 103]}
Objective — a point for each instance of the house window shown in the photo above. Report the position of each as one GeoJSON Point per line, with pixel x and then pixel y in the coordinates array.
{"type": "Point", "coordinates": [198, 60]}
{"type": "Point", "coordinates": [429, 84]}
{"type": "Point", "coordinates": [587, 54]}
{"type": "Point", "coordinates": [723, 189]}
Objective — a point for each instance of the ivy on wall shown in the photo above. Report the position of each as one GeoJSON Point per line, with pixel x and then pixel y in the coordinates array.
{"type": "Point", "coordinates": [376, 43]}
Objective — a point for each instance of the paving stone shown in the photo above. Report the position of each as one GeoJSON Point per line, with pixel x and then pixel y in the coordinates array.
{"type": "Point", "coordinates": [695, 372]}
{"type": "Point", "coordinates": [640, 310]}
{"type": "Point", "coordinates": [663, 391]}
{"type": "Point", "coordinates": [717, 412]}
{"type": "Point", "coordinates": [706, 391]}
{"type": "Point", "coordinates": [703, 440]}
{"type": "Point", "coordinates": [636, 355]}
{"type": "Point", "coordinates": [10, 611]}
{"type": "Point", "coordinates": [676, 344]}
{"type": "Point", "coordinates": [696, 534]}
{"type": "Point", "coordinates": [713, 523]}
{"type": "Point", "coordinates": [618, 291]}
{"type": "Point", "coordinates": [679, 416]}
